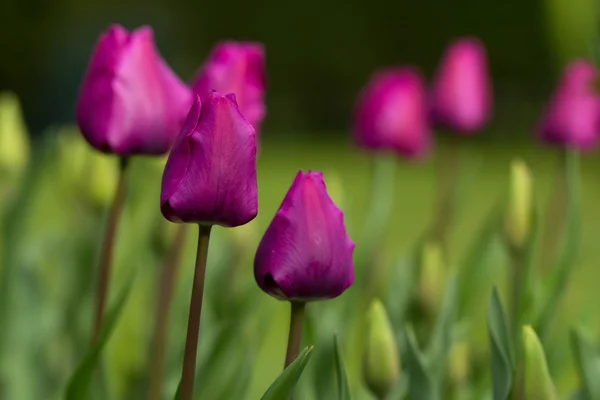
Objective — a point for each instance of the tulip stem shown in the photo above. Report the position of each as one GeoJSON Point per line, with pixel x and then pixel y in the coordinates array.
{"type": "Point", "coordinates": [191, 343]}
{"type": "Point", "coordinates": [295, 336]}
{"type": "Point", "coordinates": [165, 294]}
{"type": "Point", "coordinates": [108, 247]}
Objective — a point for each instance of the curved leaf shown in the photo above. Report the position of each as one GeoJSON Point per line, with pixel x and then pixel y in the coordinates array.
{"type": "Point", "coordinates": [340, 367]}
{"type": "Point", "coordinates": [587, 359]}
{"type": "Point", "coordinates": [421, 385]}
{"type": "Point", "coordinates": [283, 387]}
{"type": "Point", "coordinates": [501, 350]}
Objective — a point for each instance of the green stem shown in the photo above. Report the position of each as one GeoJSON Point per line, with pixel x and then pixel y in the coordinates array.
{"type": "Point", "coordinates": [295, 334]}
{"type": "Point", "coordinates": [108, 247]}
{"type": "Point", "coordinates": [191, 343]}
{"type": "Point", "coordinates": [165, 294]}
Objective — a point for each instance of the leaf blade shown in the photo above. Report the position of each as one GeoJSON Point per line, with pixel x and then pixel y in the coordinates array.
{"type": "Point", "coordinates": [502, 363]}
{"type": "Point", "coordinates": [283, 387]}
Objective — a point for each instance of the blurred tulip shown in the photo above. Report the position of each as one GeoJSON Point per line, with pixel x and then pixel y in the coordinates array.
{"type": "Point", "coordinates": [238, 68]}
{"type": "Point", "coordinates": [458, 364]}
{"type": "Point", "coordinates": [431, 278]}
{"type": "Point", "coordinates": [461, 98]}
{"type": "Point", "coordinates": [210, 176]}
{"type": "Point", "coordinates": [572, 116]}
{"type": "Point", "coordinates": [537, 382]}
{"type": "Point", "coordinates": [517, 223]}
{"type": "Point", "coordinates": [391, 113]}
{"type": "Point", "coordinates": [381, 365]}
{"type": "Point", "coordinates": [305, 253]}
{"type": "Point", "coordinates": [130, 102]}
{"type": "Point", "coordinates": [14, 139]}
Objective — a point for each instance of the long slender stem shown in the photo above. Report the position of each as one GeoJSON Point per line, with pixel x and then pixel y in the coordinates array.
{"type": "Point", "coordinates": [295, 336]}
{"type": "Point", "coordinates": [165, 294]}
{"type": "Point", "coordinates": [107, 248]}
{"type": "Point", "coordinates": [191, 343]}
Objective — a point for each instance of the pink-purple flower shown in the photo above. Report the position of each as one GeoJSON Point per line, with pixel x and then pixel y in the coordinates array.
{"type": "Point", "coordinates": [239, 68]}
{"type": "Point", "coordinates": [391, 113]}
{"type": "Point", "coordinates": [130, 101]}
{"type": "Point", "coordinates": [210, 175]}
{"type": "Point", "coordinates": [306, 253]}
{"type": "Point", "coordinates": [461, 98]}
{"type": "Point", "coordinates": [572, 115]}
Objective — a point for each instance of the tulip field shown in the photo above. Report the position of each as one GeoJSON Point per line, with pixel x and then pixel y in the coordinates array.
{"type": "Point", "coordinates": [164, 246]}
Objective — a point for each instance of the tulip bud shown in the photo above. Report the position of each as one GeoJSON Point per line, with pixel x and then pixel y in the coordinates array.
{"type": "Point", "coordinates": [518, 217]}
{"type": "Point", "coordinates": [537, 382]}
{"type": "Point", "coordinates": [238, 68]}
{"type": "Point", "coordinates": [462, 94]}
{"type": "Point", "coordinates": [130, 102]}
{"type": "Point", "coordinates": [305, 254]}
{"type": "Point", "coordinates": [14, 139]}
{"type": "Point", "coordinates": [210, 176]}
{"type": "Point", "coordinates": [572, 116]}
{"type": "Point", "coordinates": [381, 365]}
{"type": "Point", "coordinates": [391, 113]}
{"type": "Point", "coordinates": [431, 278]}
{"type": "Point", "coordinates": [458, 365]}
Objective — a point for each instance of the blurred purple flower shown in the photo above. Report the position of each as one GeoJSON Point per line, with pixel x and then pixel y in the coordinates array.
{"type": "Point", "coordinates": [210, 175]}
{"type": "Point", "coordinates": [239, 68]}
{"type": "Point", "coordinates": [391, 113]}
{"type": "Point", "coordinates": [305, 253]}
{"type": "Point", "coordinates": [130, 102]}
{"type": "Point", "coordinates": [572, 115]}
{"type": "Point", "coordinates": [461, 98]}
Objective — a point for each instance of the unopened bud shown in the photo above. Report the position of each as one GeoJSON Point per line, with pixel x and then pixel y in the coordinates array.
{"type": "Point", "coordinates": [459, 365]}
{"type": "Point", "coordinates": [431, 278]}
{"type": "Point", "coordinates": [381, 363]}
{"type": "Point", "coordinates": [14, 139]}
{"type": "Point", "coordinates": [537, 382]}
{"type": "Point", "coordinates": [520, 203]}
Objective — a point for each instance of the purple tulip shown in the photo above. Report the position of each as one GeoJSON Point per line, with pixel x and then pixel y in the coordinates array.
{"type": "Point", "coordinates": [210, 175]}
{"type": "Point", "coordinates": [572, 116]}
{"type": "Point", "coordinates": [305, 253]}
{"type": "Point", "coordinates": [461, 98]}
{"type": "Point", "coordinates": [239, 68]}
{"type": "Point", "coordinates": [130, 102]}
{"type": "Point", "coordinates": [391, 113]}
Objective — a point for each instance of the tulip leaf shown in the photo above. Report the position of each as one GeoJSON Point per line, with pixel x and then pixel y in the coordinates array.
{"type": "Point", "coordinates": [283, 387]}
{"type": "Point", "coordinates": [340, 367]}
{"type": "Point", "coordinates": [421, 385]}
{"type": "Point", "coordinates": [81, 379]}
{"type": "Point", "coordinates": [587, 359]}
{"type": "Point", "coordinates": [441, 340]}
{"type": "Point", "coordinates": [571, 237]}
{"type": "Point", "coordinates": [501, 350]}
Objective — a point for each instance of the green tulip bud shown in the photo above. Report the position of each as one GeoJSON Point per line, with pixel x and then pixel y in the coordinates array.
{"type": "Point", "coordinates": [431, 278]}
{"type": "Point", "coordinates": [537, 383]}
{"type": "Point", "coordinates": [459, 365]}
{"type": "Point", "coordinates": [14, 139]}
{"type": "Point", "coordinates": [517, 221]}
{"type": "Point", "coordinates": [381, 364]}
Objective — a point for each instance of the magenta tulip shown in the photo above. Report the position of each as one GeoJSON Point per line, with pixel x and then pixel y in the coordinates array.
{"type": "Point", "coordinates": [130, 102]}
{"type": "Point", "coordinates": [461, 99]}
{"type": "Point", "coordinates": [210, 175]}
{"type": "Point", "coordinates": [305, 253]}
{"type": "Point", "coordinates": [239, 68]}
{"type": "Point", "coordinates": [572, 116]}
{"type": "Point", "coordinates": [391, 113]}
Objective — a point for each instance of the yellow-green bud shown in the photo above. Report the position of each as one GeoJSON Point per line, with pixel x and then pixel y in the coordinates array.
{"type": "Point", "coordinates": [517, 223]}
{"type": "Point", "coordinates": [537, 383]}
{"type": "Point", "coordinates": [14, 139]}
{"type": "Point", "coordinates": [381, 363]}
{"type": "Point", "coordinates": [459, 364]}
{"type": "Point", "coordinates": [431, 277]}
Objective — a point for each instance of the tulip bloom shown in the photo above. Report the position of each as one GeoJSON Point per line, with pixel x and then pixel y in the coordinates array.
{"type": "Point", "coordinates": [391, 113]}
{"type": "Point", "coordinates": [461, 98]}
{"type": "Point", "coordinates": [130, 102]}
{"type": "Point", "coordinates": [572, 116]}
{"type": "Point", "coordinates": [210, 176]}
{"type": "Point", "coordinates": [238, 68]}
{"type": "Point", "coordinates": [305, 253]}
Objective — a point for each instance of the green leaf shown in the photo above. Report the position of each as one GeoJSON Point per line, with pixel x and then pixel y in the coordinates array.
{"type": "Point", "coordinates": [441, 340]}
{"type": "Point", "coordinates": [501, 350]}
{"type": "Point", "coordinates": [81, 379]}
{"type": "Point", "coordinates": [587, 358]}
{"type": "Point", "coordinates": [421, 385]}
{"type": "Point", "coordinates": [340, 367]}
{"type": "Point", "coordinates": [283, 387]}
